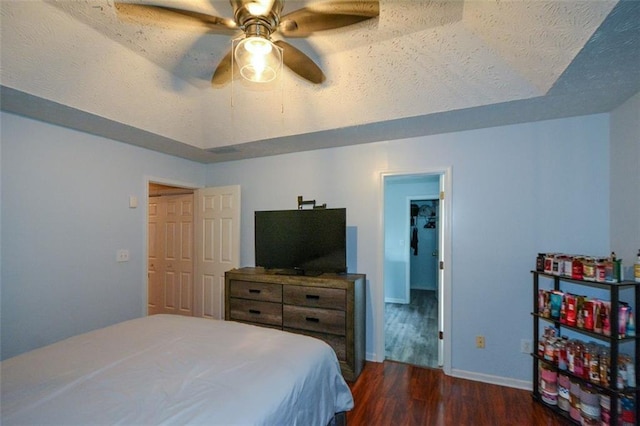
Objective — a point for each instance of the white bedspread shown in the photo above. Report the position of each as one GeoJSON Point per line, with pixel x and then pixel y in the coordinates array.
{"type": "Point", "coordinates": [166, 369]}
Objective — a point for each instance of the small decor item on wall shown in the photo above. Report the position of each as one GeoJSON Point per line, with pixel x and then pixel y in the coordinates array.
{"type": "Point", "coordinates": [312, 203]}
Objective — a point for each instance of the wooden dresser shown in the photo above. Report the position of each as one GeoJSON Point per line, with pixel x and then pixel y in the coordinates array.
{"type": "Point", "coordinates": [330, 307]}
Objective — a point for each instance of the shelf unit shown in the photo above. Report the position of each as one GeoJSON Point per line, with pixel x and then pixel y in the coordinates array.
{"type": "Point", "coordinates": [613, 341]}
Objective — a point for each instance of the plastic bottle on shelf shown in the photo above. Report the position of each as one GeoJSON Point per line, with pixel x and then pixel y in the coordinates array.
{"type": "Point", "coordinates": [631, 375]}
{"type": "Point", "coordinates": [606, 324]}
{"type": "Point", "coordinates": [631, 324]}
{"type": "Point", "coordinates": [636, 269]}
{"type": "Point", "coordinates": [617, 268]}
{"type": "Point", "coordinates": [605, 362]}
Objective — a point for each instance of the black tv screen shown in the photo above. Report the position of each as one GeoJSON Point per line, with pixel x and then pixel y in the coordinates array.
{"type": "Point", "coordinates": [304, 242]}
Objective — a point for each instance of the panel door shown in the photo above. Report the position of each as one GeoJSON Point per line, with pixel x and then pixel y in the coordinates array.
{"type": "Point", "coordinates": [217, 246]}
{"type": "Point", "coordinates": [170, 252]}
{"type": "Point", "coordinates": [178, 254]}
{"type": "Point", "coordinates": [154, 295]}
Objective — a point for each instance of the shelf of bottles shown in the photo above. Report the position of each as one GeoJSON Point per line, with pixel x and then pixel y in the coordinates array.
{"type": "Point", "coordinates": [585, 379]}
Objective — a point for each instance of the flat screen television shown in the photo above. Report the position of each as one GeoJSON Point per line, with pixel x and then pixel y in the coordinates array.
{"type": "Point", "coordinates": [303, 242]}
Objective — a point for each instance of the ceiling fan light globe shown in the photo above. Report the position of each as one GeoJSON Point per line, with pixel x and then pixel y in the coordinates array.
{"type": "Point", "coordinates": [258, 59]}
{"type": "Point", "coordinates": [257, 75]}
{"type": "Point", "coordinates": [258, 46]}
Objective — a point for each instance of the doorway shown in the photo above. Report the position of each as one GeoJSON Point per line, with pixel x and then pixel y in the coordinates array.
{"type": "Point", "coordinates": [206, 240]}
{"type": "Point", "coordinates": [416, 246]}
{"type": "Point", "coordinates": [411, 324]}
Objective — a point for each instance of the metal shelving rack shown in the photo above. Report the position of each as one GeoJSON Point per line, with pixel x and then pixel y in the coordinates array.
{"type": "Point", "coordinates": [614, 341]}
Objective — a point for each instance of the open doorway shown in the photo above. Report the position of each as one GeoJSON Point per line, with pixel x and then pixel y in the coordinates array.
{"type": "Point", "coordinates": [413, 275]}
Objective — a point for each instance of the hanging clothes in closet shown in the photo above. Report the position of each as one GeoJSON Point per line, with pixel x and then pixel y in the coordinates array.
{"type": "Point", "coordinates": [414, 238]}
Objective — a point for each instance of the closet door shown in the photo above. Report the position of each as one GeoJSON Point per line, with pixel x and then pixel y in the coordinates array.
{"type": "Point", "coordinates": [171, 250]}
{"type": "Point", "coordinates": [154, 293]}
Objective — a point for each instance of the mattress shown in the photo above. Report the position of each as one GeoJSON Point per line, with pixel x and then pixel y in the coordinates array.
{"type": "Point", "coordinates": [166, 369]}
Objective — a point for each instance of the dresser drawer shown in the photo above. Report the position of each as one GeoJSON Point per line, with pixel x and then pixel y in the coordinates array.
{"type": "Point", "coordinates": [314, 319]}
{"type": "Point", "coordinates": [332, 298]}
{"type": "Point", "coordinates": [256, 311]}
{"type": "Point", "coordinates": [256, 291]}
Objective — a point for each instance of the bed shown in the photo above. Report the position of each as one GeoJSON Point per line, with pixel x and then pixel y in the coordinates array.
{"type": "Point", "coordinates": [167, 369]}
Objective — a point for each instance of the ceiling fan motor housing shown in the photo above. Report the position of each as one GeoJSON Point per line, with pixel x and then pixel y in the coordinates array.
{"type": "Point", "coordinates": [253, 25]}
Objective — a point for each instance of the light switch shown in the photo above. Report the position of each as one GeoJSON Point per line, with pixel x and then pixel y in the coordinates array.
{"type": "Point", "coordinates": [122, 255]}
{"type": "Point", "coordinates": [133, 201]}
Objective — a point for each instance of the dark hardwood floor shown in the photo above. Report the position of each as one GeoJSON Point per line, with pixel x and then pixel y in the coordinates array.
{"type": "Point", "coordinates": [393, 393]}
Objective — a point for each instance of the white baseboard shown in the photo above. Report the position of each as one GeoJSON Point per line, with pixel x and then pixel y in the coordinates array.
{"type": "Point", "coordinates": [422, 287]}
{"type": "Point", "coordinates": [494, 380]}
{"type": "Point", "coordinates": [394, 300]}
{"type": "Point", "coordinates": [477, 377]}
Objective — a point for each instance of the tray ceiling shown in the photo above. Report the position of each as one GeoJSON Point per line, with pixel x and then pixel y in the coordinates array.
{"type": "Point", "coordinates": [422, 67]}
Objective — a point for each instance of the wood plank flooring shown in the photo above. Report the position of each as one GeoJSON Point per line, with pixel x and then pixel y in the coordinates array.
{"type": "Point", "coordinates": [392, 393]}
{"type": "Point", "coordinates": [411, 330]}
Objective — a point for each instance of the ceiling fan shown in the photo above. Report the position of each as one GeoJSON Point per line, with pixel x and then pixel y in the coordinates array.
{"type": "Point", "coordinates": [256, 55]}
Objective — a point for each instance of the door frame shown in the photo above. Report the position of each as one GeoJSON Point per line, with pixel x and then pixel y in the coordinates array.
{"type": "Point", "coordinates": [145, 232]}
{"type": "Point", "coordinates": [444, 274]}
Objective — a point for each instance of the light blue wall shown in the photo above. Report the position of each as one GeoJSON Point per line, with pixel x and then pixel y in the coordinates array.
{"type": "Point", "coordinates": [517, 190]}
{"type": "Point", "coordinates": [423, 263]}
{"type": "Point", "coordinates": [625, 181]}
{"type": "Point", "coordinates": [65, 212]}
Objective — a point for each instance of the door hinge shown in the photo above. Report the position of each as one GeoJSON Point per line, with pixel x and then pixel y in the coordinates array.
{"type": "Point", "coordinates": [442, 195]}
{"type": "Point", "coordinates": [440, 335]}
{"type": "Point", "coordinates": [442, 264]}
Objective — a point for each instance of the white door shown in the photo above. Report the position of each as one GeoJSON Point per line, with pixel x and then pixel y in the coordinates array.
{"type": "Point", "coordinates": [178, 255]}
{"type": "Point", "coordinates": [154, 301]}
{"type": "Point", "coordinates": [171, 254]}
{"type": "Point", "coordinates": [217, 231]}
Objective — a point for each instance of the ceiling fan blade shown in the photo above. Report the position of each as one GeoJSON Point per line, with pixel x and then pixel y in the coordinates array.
{"type": "Point", "coordinates": [162, 15]}
{"type": "Point", "coordinates": [300, 63]}
{"type": "Point", "coordinates": [327, 16]}
{"type": "Point", "coordinates": [223, 73]}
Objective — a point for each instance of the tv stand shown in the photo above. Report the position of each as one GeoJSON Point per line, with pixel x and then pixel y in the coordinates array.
{"type": "Point", "coordinates": [330, 307]}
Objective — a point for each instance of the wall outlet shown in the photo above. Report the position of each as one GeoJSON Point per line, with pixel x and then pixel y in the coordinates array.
{"type": "Point", "coordinates": [480, 342]}
{"type": "Point", "coordinates": [122, 255]}
{"type": "Point", "coordinates": [525, 346]}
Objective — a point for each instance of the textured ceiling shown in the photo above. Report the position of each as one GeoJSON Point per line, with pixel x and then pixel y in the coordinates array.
{"type": "Point", "coordinates": [423, 67]}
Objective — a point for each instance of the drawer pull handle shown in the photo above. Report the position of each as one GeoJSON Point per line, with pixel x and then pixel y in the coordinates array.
{"type": "Point", "coordinates": [313, 297]}
{"type": "Point", "coordinates": [254, 311]}
{"type": "Point", "coordinates": [252, 290]}
{"type": "Point", "coordinates": [311, 319]}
